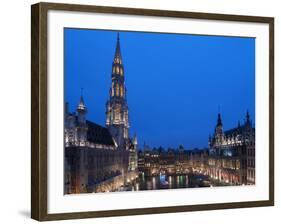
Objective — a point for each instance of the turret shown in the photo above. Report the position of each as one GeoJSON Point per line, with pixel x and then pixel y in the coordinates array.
{"type": "Point", "coordinates": [81, 110]}
{"type": "Point", "coordinates": [219, 126]}
{"type": "Point", "coordinates": [219, 135]}
{"type": "Point", "coordinates": [81, 134]}
{"type": "Point", "coordinates": [247, 120]}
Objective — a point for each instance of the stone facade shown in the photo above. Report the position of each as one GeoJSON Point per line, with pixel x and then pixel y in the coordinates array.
{"type": "Point", "coordinates": [97, 158]}
{"type": "Point", "coordinates": [232, 153]}
{"type": "Point", "coordinates": [229, 159]}
{"type": "Point", "coordinates": [153, 162]}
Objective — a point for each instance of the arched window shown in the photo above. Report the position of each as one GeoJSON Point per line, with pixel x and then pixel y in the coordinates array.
{"type": "Point", "coordinates": [121, 71]}
{"type": "Point", "coordinates": [117, 70]}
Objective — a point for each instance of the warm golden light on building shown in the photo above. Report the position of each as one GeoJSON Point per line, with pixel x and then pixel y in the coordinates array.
{"type": "Point", "coordinates": [97, 158]}
{"type": "Point", "coordinates": [121, 91]}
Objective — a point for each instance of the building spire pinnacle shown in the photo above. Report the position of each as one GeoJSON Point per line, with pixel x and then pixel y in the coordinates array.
{"type": "Point", "coordinates": [81, 106]}
{"type": "Point", "coordinates": [117, 118]}
{"type": "Point", "coordinates": [247, 115]}
{"type": "Point", "coordinates": [118, 49]}
{"type": "Point", "coordinates": [219, 123]}
{"type": "Point", "coordinates": [248, 118]}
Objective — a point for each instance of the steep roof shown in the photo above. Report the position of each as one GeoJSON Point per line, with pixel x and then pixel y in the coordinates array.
{"type": "Point", "coordinates": [233, 131]}
{"type": "Point", "coordinates": [237, 130]}
{"type": "Point", "coordinates": [98, 134]}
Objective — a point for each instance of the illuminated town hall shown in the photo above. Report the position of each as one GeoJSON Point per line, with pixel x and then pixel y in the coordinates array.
{"type": "Point", "coordinates": [97, 158]}
{"type": "Point", "coordinates": [106, 158]}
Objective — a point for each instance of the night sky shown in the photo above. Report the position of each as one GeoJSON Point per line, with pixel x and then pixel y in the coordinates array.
{"type": "Point", "coordinates": [176, 84]}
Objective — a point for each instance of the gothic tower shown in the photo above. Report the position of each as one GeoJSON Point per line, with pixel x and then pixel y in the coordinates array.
{"type": "Point", "coordinates": [247, 120]}
{"type": "Point", "coordinates": [117, 119]}
{"type": "Point", "coordinates": [219, 135]}
{"type": "Point", "coordinates": [249, 133]}
{"type": "Point", "coordinates": [81, 134]}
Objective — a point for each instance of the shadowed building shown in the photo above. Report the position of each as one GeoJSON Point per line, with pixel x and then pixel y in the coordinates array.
{"type": "Point", "coordinates": [97, 158]}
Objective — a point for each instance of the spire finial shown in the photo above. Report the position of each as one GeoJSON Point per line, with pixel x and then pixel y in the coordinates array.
{"type": "Point", "coordinates": [81, 105]}
{"type": "Point", "coordinates": [118, 51]}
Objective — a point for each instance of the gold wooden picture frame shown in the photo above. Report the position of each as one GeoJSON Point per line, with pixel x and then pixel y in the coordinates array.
{"type": "Point", "coordinates": [39, 110]}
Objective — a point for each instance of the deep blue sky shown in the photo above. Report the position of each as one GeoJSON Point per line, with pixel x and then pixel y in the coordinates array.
{"type": "Point", "coordinates": [175, 83]}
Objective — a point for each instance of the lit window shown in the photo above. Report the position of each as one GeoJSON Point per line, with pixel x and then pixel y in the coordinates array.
{"type": "Point", "coordinates": [121, 90]}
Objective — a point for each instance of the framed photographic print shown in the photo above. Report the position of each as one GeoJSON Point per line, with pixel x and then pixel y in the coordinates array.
{"type": "Point", "coordinates": [139, 111]}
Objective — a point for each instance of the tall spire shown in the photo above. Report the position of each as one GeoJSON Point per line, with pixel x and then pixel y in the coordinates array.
{"type": "Point", "coordinates": [247, 115]}
{"type": "Point", "coordinates": [116, 108]}
{"type": "Point", "coordinates": [118, 89]}
{"type": "Point", "coordinates": [81, 106]}
{"type": "Point", "coordinates": [117, 56]}
{"type": "Point", "coordinates": [219, 123]}
{"type": "Point", "coordinates": [81, 110]}
{"type": "Point", "coordinates": [248, 121]}
{"type": "Point", "coordinates": [219, 135]}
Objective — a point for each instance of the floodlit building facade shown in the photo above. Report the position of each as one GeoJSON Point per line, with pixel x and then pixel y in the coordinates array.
{"type": "Point", "coordinates": [232, 153]}
{"type": "Point", "coordinates": [229, 159]}
{"type": "Point", "coordinates": [97, 158]}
